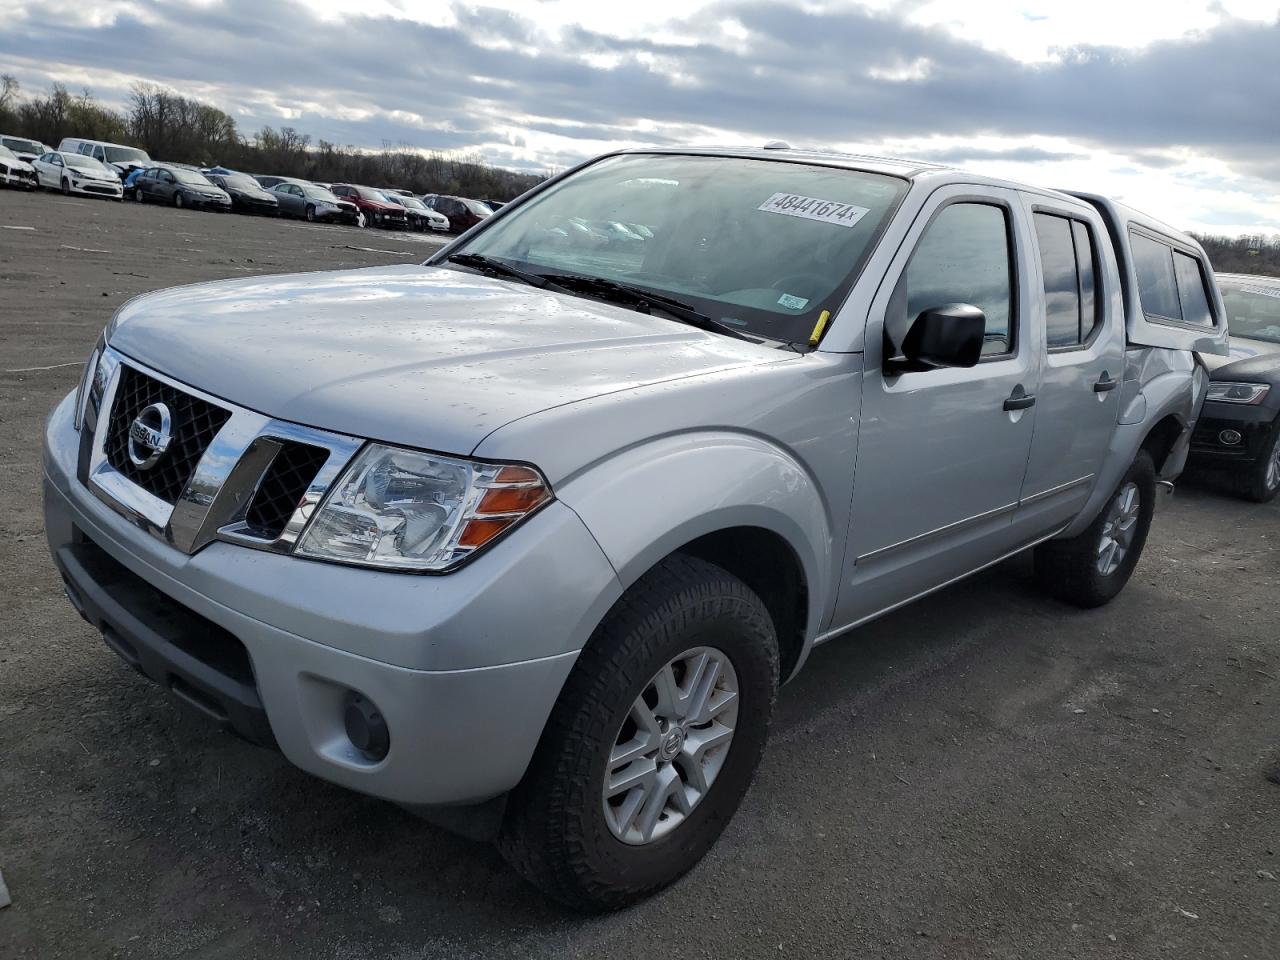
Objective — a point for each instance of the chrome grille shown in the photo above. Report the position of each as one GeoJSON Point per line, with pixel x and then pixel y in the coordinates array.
{"type": "Point", "coordinates": [228, 473]}
{"type": "Point", "coordinates": [195, 423]}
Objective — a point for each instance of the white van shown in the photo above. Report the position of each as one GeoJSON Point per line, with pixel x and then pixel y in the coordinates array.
{"type": "Point", "coordinates": [115, 155]}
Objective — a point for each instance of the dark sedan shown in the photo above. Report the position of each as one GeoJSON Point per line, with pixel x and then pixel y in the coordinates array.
{"type": "Point", "coordinates": [313, 203]}
{"type": "Point", "coordinates": [247, 195]}
{"type": "Point", "coordinates": [180, 186]}
{"type": "Point", "coordinates": [1239, 428]}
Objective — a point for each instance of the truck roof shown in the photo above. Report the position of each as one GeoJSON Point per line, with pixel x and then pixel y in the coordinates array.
{"type": "Point", "coordinates": [906, 169]}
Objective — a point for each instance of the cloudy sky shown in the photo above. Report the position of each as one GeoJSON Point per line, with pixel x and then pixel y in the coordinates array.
{"type": "Point", "coordinates": [1170, 105]}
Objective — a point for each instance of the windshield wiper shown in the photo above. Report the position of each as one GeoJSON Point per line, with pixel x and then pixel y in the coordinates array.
{"type": "Point", "coordinates": [498, 268]}
{"type": "Point", "coordinates": [636, 296]}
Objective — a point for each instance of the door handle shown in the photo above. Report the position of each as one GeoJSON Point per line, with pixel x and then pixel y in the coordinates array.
{"type": "Point", "coordinates": [1020, 399]}
{"type": "Point", "coordinates": [1105, 383]}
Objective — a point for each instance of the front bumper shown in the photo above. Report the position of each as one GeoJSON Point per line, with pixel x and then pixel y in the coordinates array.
{"type": "Point", "coordinates": [98, 188]}
{"type": "Point", "coordinates": [18, 178]}
{"type": "Point", "coordinates": [1254, 424]}
{"type": "Point", "coordinates": [465, 668]}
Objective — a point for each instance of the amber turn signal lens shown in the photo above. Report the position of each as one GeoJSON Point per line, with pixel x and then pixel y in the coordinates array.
{"type": "Point", "coordinates": [515, 474]}
{"type": "Point", "coordinates": [511, 499]}
{"type": "Point", "coordinates": [479, 532]}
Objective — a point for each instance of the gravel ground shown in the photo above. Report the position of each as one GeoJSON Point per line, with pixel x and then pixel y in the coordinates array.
{"type": "Point", "coordinates": [983, 774]}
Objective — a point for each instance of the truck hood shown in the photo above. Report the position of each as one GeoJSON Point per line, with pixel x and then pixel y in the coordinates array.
{"type": "Point", "coordinates": [421, 356]}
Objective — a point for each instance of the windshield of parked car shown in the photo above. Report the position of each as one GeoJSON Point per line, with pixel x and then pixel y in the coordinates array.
{"type": "Point", "coordinates": [240, 181]}
{"type": "Point", "coordinates": [26, 146]}
{"type": "Point", "coordinates": [190, 177]}
{"type": "Point", "coordinates": [478, 208]}
{"type": "Point", "coordinates": [81, 162]}
{"type": "Point", "coordinates": [757, 244]}
{"type": "Point", "coordinates": [368, 193]}
{"type": "Point", "coordinates": [125, 155]}
{"type": "Point", "coordinates": [1253, 309]}
{"type": "Point", "coordinates": [411, 203]}
{"type": "Point", "coordinates": [320, 193]}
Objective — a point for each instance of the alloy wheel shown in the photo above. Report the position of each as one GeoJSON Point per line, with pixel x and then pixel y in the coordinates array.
{"type": "Point", "coordinates": [671, 746]}
{"type": "Point", "coordinates": [1272, 478]}
{"type": "Point", "coordinates": [1118, 528]}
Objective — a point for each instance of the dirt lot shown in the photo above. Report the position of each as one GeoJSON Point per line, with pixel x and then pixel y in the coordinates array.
{"type": "Point", "coordinates": [985, 774]}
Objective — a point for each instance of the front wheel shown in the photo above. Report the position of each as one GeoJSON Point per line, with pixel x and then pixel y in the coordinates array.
{"type": "Point", "coordinates": [311, 214]}
{"type": "Point", "coordinates": [178, 201]}
{"type": "Point", "coordinates": [66, 187]}
{"type": "Point", "coordinates": [1261, 482]}
{"type": "Point", "coordinates": [1092, 568]}
{"type": "Point", "coordinates": [652, 743]}
{"type": "Point", "coordinates": [137, 194]}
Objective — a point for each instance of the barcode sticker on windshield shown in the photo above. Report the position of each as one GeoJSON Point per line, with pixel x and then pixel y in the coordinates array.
{"type": "Point", "coordinates": [1260, 291]}
{"type": "Point", "coordinates": [812, 208]}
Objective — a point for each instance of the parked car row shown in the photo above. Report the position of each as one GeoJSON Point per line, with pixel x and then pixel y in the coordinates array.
{"type": "Point", "coordinates": [88, 167]}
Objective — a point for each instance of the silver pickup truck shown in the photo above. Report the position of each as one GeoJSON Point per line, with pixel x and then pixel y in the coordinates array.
{"type": "Point", "coordinates": [534, 531]}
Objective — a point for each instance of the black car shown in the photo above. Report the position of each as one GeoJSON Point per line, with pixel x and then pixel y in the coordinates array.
{"type": "Point", "coordinates": [1239, 429]}
{"type": "Point", "coordinates": [180, 186]}
{"type": "Point", "coordinates": [247, 195]}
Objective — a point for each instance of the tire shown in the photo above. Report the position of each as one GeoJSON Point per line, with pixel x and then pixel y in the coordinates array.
{"type": "Point", "coordinates": [66, 187]}
{"type": "Point", "coordinates": [1261, 481]}
{"type": "Point", "coordinates": [137, 195]}
{"type": "Point", "coordinates": [556, 831]}
{"type": "Point", "coordinates": [311, 214]}
{"type": "Point", "coordinates": [177, 200]}
{"type": "Point", "coordinates": [1073, 570]}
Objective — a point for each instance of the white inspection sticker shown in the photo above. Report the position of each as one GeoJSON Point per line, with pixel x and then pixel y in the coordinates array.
{"type": "Point", "coordinates": [792, 302]}
{"type": "Point", "coordinates": [813, 208]}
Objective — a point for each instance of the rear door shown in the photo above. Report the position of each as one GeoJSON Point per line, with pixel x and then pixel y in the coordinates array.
{"type": "Point", "coordinates": [1078, 305]}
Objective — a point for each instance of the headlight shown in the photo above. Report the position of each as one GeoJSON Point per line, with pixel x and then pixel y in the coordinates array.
{"type": "Point", "coordinates": [92, 385]}
{"type": "Point", "coordinates": [1227, 392]}
{"type": "Point", "coordinates": [406, 510]}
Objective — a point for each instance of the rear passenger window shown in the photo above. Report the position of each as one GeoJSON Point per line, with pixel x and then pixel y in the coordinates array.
{"type": "Point", "coordinates": [1070, 280]}
{"type": "Point", "coordinates": [964, 257]}
{"type": "Point", "coordinates": [1191, 291]}
{"type": "Point", "coordinates": [1157, 286]}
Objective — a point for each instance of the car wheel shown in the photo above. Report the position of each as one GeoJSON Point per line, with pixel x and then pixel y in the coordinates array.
{"type": "Point", "coordinates": [1261, 482]}
{"type": "Point", "coordinates": [66, 187]}
{"type": "Point", "coordinates": [1092, 568]}
{"type": "Point", "coordinates": [652, 743]}
{"type": "Point", "coordinates": [177, 200]}
{"type": "Point", "coordinates": [311, 214]}
{"type": "Point", "coordinates": [137, 194]}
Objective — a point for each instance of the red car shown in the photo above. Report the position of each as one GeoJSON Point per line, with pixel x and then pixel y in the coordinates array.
{"type": "Point", "coordinates": [378, 210]}
{"type": "Point", "coordinates": [463, 214]}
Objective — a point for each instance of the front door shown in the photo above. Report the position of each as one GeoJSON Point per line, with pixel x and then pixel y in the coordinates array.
{"type": "Point", "coordinates": [941, 453]}
{"type": "Point", "coordinates": [1077, 302]}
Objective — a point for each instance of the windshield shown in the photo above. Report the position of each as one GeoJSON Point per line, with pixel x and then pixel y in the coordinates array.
{"type": "Point", "coordinates": [320, 193]}
{"type": "Point", "coordinates": [411, 203]}
{"type": "Point", "coordinates": [81, 162]}
{"type": "Point", "coordinates": [757, 244]}
{"type": "Point", "coordinates": [125, 155]}
{"type": "Point", "coordinates": [190, 177]}
{"type": "Point", "coordinates": [26, 146]}
{"type": "Point", "coordinates": [1253, 309]}
{"type": "Point", "coordinates": [240, 181]}
{"type": "Point", "coordinates": [478, 208]}
{"type": "Point", "coordinates": [368, 193]}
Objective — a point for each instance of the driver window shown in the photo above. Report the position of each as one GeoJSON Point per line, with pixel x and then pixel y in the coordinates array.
{"type": "Point", "coordinates": [964, 257]}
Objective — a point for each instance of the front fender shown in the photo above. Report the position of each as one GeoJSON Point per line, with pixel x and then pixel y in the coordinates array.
{"type": "Point", "coordinates": [649, 500]}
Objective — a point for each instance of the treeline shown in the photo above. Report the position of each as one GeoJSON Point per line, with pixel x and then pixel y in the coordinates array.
{"type": "Point", "coordinates": [182, 130]}
{"type": "Point", "coordinates": [1260, 255]}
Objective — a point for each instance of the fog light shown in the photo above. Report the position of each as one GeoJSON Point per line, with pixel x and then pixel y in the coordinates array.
{"type": "Point", "coordinates": [1230, 437]}
{"type": "Point", "coordinates": [366, 729]}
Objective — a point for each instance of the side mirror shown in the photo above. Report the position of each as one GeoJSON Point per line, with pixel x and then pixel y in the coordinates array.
{"type": "Point", "coordinates": [947, 336]}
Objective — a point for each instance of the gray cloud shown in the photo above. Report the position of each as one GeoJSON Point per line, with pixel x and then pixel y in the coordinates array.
{"type": "Point", "coordinates": [809, 77]}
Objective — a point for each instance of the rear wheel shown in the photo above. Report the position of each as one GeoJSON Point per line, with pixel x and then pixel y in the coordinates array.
{"type": "Point", "coordinates": [652, 743]}
{"type": "Point", "coordinates": [1090, 569]}
{"type": "Point", "coordinates": [1261, 482]}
